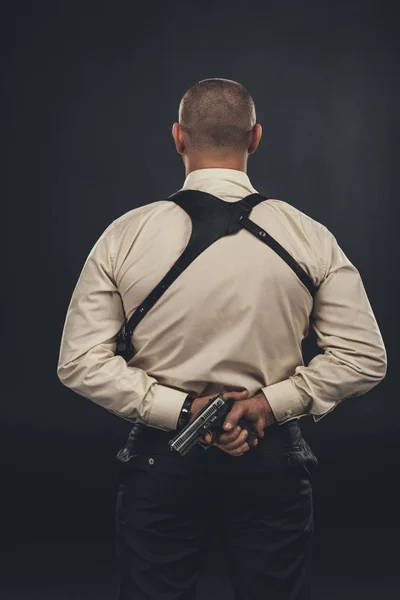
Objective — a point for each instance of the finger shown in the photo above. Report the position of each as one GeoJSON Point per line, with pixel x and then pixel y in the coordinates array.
{"type": "Point", "coordinates": [260, 428]}
{"type": "Point", "coordinates": [238, 451]}
{"type": "Point", "coordinates": [240, 440]}
{"type": "Point", "coordinates": [207, 438]}
{"type": "Point", "coordinates": [227, 438]}
{"type": "Point", "coordinates": [249, 444]}
{"type": "Point", "coordinates": [241, 450]}
{"type": "Point", "coordinates": [233, 416]}
{"type": "Point", "coordinates": [235, 395]}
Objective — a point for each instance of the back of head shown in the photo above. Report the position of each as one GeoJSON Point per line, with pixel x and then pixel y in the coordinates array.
{"type": "Point", "coordinates": [217, 114]}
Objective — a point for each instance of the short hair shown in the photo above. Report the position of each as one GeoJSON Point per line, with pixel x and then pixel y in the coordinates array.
{"type": "Point", "coordinates": [217, 113]}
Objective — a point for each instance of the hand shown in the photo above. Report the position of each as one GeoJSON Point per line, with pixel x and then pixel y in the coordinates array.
{"type": "Point", "coordinates": [256, 410]}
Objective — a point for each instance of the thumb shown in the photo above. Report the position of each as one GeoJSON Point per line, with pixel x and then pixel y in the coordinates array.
{"type": "Point", "coordinates": [233, 417]}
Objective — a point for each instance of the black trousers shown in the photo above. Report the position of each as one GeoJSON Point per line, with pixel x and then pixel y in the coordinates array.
{"type": "Point", "coordinates": [260, 504]}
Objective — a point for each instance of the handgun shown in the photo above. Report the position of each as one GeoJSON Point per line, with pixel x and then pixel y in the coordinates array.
{"type": "Point", "coordinates": [209, 420]}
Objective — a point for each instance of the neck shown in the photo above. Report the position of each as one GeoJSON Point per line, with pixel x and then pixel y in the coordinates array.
{"type": "Point", "coordinates": [194, 162]}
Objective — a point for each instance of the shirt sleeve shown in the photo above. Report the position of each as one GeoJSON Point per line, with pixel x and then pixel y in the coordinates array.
{"type": "Point", "coordinates": [354, 358]}
{"type": "Point", "coordinates": [87, 362]}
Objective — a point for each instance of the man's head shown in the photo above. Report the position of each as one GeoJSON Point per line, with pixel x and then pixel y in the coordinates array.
{"type": "Point", "coordinates": [217, 125]}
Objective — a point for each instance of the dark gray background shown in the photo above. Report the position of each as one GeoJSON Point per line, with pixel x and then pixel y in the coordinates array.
{"type": "Point", "coordinates": [91, 90]}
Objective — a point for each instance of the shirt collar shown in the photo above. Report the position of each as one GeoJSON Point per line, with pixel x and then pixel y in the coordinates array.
{"type": "Point", "coordinates": [231, 184]}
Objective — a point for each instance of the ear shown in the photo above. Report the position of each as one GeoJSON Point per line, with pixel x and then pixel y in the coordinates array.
{"type": "Point", "coordinates": [255, 138]}
{"type": "Point", "coordinates": [177, 134]}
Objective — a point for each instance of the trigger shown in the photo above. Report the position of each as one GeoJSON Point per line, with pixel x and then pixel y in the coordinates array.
{"type": "Point", "coordinates": [204, 445]}
{"type": "Point", "coordinates": [213, 436]}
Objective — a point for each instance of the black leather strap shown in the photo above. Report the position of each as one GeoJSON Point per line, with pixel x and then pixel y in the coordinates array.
{"type": "Point", "coordinates": [213, 218]}
{"type": "Point", "coordinates": [284, 254]}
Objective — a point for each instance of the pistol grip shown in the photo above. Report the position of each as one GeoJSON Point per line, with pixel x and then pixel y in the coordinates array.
{"type": "Point", "coordinates": [252, 431]}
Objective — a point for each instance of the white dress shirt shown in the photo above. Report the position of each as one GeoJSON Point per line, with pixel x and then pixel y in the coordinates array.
{"type": "Point", "coordinates": [234, 319]}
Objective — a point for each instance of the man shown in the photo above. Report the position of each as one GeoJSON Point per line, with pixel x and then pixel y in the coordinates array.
{"type": "Point", "coordinates": [233, 321]}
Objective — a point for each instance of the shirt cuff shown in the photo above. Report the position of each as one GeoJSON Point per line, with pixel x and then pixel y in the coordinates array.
{"type": "Point", "coordinates": [166, 406]}
{"type": "Point", "coordinates": [284, 400]}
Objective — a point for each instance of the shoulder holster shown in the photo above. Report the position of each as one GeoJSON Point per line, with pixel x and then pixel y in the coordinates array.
{"type": "Point", "coordinates": [212, 219]}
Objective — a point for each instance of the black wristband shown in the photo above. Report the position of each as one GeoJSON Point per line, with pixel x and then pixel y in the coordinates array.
{"type": "Point", "coordinates": [184, 415]}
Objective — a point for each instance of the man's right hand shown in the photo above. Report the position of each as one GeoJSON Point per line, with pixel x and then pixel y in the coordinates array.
{"type": "Point", "coordinates": [236, 445]}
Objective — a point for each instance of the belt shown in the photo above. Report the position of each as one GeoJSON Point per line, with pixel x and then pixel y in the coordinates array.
{"type": "Point", "coordinates": [276, 437]}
